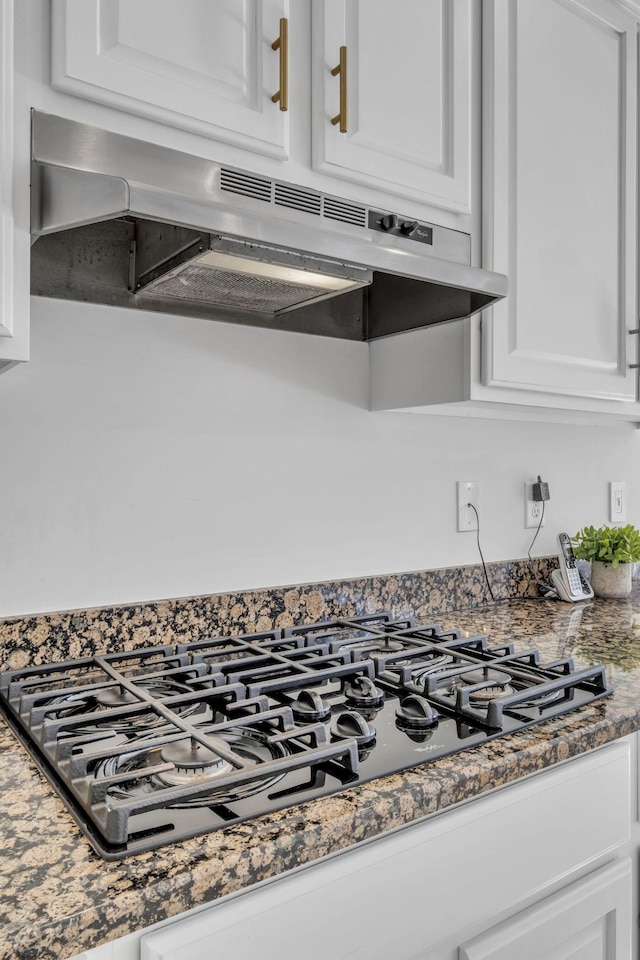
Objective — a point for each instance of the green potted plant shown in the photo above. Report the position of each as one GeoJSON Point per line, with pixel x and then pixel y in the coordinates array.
{"type": "Point", "coordinates": [612, 552]}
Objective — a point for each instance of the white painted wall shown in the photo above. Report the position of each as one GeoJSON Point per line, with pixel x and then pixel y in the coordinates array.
{"type": "Point", "coordinates": [147, 456]}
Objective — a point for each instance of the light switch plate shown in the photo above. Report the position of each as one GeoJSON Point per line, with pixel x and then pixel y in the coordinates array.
{"type": "Point", "coordinates": [617, 501]}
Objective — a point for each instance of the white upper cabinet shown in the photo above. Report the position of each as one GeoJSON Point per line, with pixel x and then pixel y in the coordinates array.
{"type": "Point", "coordinates": [206, 67]}
{"type": "Point", "coordinates": [210, 68]}
{"type": "Point", "coordinates": [406, 92]}
{"type": "Point", "coordinates": [560, 199]}
{"type": "Point", "coordinates": [559, 218]}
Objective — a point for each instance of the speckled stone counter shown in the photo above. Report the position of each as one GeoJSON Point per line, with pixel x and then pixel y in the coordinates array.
{"type": "Point", "coordinates": [59, 898]}
{"type": "Point", "coordinates": [45, 638]}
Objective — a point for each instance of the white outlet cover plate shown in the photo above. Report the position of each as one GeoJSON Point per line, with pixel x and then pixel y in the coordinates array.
{"type": "Point", "coordinates": [468, 492]}
{"type": "Point", "coordinates": [617, 501]}
{"type": "Point", "coordinates": [532, 508]}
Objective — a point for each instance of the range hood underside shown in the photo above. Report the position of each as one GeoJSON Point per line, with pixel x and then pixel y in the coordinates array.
{"type": "Point", "coordinates": [104, 263]}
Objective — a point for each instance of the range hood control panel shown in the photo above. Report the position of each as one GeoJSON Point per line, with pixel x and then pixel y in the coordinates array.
{"type": "Point", "coordinates": [392, 224]}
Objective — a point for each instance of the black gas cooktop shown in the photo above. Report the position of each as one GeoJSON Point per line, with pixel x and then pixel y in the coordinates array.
{"type": "Point", "coordinates": [165, 743]}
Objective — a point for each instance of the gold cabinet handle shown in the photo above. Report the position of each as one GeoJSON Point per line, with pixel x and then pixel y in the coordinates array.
{"type": "Point", "coordinates": [341, 70]}
{"type": "Point", "coordinates": [282, 44]}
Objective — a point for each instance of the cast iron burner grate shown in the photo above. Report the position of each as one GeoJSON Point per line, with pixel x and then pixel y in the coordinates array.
{"type": "Point", "coordinates": [161, 744]}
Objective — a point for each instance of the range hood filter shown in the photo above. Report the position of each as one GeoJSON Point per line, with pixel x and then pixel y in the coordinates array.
{"type": "Point", "coordinates": [233, 281]}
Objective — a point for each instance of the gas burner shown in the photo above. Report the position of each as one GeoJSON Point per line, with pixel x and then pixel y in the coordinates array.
{"type": "Point", "coordinates": [192, 761]}
{"type": "Point", "coordinates": [495, 683]}
{"type": "Point", "coordinates": [105, 698]}
{"type": "Point", "coordinates": [181, 768]}
{"type": "Point", "coordinates": [115, 697]}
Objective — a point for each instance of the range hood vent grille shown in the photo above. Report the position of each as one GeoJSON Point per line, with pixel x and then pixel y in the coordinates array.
{"type": "Point", "coordinates": [235, 181]}
{"type": "Point", "coordinates": [345, 212]}
{"type": "Point", "coordinates": [294, 197]}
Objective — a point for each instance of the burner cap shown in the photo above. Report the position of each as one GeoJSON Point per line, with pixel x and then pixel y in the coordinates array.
{"type": "Point", "coordinates": [115, 697]}
{"type": "Point", "coordinates": [389, 646]}
{"type": "Point", "coordinates": [497, 678]}
{"type": "Point", "coordinates": [189, 755]}
{"type": "Point", "coordinates": [370, 646]}
{"type": "Point", "coordinates": [497, 684]}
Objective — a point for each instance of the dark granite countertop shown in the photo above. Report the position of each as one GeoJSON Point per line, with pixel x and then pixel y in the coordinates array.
{"type": "Point", "coordinates": [58, 897]}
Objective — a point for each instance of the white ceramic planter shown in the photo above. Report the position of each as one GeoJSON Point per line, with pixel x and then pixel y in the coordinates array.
{"type": "Point", "coordinates": [608, 581]}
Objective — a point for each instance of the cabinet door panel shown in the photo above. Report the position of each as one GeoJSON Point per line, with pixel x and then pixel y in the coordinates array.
{"type": "Point", "coordinates": [207, 67]}
{"type": "Point", "coordinates": [408, 72]}
{"type": "Point", "coordinates": [560, 195]}
{"type": "Point", "coordinates": [589, 920]}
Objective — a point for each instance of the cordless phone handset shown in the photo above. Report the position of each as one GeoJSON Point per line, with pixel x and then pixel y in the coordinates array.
{"type": "Point", "coordinates": [571, 586]}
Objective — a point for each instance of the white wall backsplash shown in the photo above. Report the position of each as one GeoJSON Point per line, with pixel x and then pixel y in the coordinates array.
{"type": "Point", "coordinates": [147, 456]}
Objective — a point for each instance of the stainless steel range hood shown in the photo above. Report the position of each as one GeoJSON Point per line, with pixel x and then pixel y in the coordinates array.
{"type": "Point", "coordinates": [124, 222]}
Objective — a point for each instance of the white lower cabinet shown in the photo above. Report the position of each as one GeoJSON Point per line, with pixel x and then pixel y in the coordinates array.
{"type": "Point", "coordinates": [532, 871]}
{"type": "Point", "coordinates": [590, 920]}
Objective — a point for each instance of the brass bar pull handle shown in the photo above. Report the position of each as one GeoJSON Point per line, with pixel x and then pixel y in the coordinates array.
{"type": "Point", "coordinates": [282, 44]}
{"type": "Point", "coordinates": [341, 70]}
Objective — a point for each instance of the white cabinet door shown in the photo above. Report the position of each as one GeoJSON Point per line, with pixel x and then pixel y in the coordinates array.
{"type": "Point", "coordinates": [560, 219]}
{"type": "Point", "coordinates": [407, 96]}
{"type": "Point", "coordinates": [14, 242]}
{"type": "Point", "coordinates": [590, 920]}
{"type": "Point", "coordinates": [207, 67]}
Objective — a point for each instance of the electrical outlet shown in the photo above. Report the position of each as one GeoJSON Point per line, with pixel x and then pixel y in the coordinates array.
{"type": "Point", "coordinates": [468, 492]}
{"type": "Point", "coordinates": [532, 508]}
{"type": "Point", "coordinates": [617, 501]}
